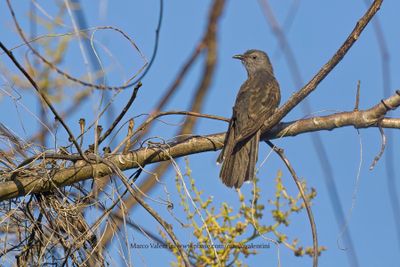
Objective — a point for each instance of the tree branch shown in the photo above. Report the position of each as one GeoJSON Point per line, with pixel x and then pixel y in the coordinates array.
{"type": "Point", "coordinates": [197, 144]}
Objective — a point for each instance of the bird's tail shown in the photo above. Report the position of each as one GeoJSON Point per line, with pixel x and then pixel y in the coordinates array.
{"type": "Point", "coordinates": [239, 161]}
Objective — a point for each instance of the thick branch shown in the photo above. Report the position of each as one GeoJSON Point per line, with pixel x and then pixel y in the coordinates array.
{"type": "Point", "coordinates": [356, 118]}
{"type": "Point", "coordinates": [197, 144]}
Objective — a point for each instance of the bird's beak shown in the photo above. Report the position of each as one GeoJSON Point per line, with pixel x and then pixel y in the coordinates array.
{"type": "Point", "coordinates": [240, 57]}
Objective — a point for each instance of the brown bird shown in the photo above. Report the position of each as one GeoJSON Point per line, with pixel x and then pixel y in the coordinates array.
{"type": "Point", "coordinates": [257, 100]}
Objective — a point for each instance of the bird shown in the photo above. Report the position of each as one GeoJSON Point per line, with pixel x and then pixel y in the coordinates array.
{"type": "Point", "coordinates": [258, 98]}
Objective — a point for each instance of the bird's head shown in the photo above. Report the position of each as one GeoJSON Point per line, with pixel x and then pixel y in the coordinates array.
{"type": "Point", "coordinates": [254, 60]}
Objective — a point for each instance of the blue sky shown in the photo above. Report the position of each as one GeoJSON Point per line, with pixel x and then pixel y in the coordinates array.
{"type": "Point", "coordinates": [317, 31]}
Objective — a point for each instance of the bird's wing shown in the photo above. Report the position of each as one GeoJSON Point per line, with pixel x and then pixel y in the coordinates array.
{"type": "Point", "coordinates": [229, 140]}
{"type": "Point", "coordinates": [262, 102]}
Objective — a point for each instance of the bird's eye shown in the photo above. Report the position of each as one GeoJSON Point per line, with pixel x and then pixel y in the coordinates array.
{"type": "Point", "coordinates": [254, 57]}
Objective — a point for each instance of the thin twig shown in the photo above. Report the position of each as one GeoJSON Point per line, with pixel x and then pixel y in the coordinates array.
{"type": "Point", "coordinates": [383, 145]}
{"type": "Point", "coordinates": [121, 115]}
{"type": "Point", "coordinates": [144, 126]}
{"type": "Point", "coordinates": [45, 99]}
{"type": "Point", "coordinates": [306, 201]}
{"type": "Point", "coordinates": [357, 96]}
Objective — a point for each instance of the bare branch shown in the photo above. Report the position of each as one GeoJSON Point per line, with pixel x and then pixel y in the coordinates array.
{"type": "Point", "coordinates": [122, 114]}
{"type": "Point", "coordinates": [356, 106]}
{"type": "Point", "coordinates": [383, 145]}
{"type": "Point", "coordinates": [306, 201]}
{"type": "Point", "coordinates": [45, 99]}
{"type": "Point", "coordinates": [196, 144]}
